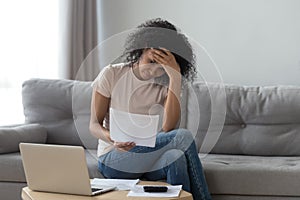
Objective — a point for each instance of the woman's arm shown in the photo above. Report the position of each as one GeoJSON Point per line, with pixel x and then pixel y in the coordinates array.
{"type": "Point", "coordinates": [99, 108]}
{"type": "Point", "coordinates": [172, 101]}
{"type": "Point", "coordinates": [172, 104]}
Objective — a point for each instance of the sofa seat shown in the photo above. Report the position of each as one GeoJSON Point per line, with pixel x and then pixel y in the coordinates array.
{"type": "Point", "coordinates": [92, 163]}
{"type": "Point", "coordinates": [12, 168]}
{"type": "Point", "coordinates": [252, 175]}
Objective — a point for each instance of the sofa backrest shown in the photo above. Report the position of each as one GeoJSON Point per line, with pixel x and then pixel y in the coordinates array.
{"type": "Point", "coordinates": [225, 119]}
{"type": "Point", "coordinates": [257, 120]}
{"type": "Point", "coordinates": [62, 107]}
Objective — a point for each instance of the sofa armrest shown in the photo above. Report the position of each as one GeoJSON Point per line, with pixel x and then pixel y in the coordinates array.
{"type": "Point", "coordinates": [11, 136]}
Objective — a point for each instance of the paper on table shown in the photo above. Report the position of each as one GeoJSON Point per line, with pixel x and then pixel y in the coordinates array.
{"type": "Point", "coordinates": [130, 127]}
{"type": "Point", "coordinates": [121, 184]}
{"type": "Point", "coordinates": [138, 191]}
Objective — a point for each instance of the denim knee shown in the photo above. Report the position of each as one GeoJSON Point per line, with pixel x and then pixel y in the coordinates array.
{"type": "Point", "coordinates": [172, 156]}
{"type": "Point", "coordinates": [109, 172]}
{"type": "Point", "coordinates": [185, 136]}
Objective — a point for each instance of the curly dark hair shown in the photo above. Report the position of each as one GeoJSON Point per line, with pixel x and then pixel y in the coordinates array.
{"type": "Point", "coordinates": [156, 33]}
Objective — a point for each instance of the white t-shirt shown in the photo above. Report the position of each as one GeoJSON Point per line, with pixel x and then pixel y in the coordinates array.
{"type": "Point", "coordinates": [129, 94]}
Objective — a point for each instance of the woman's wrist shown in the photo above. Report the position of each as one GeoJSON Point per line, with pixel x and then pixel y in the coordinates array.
{"type": "Point", "coordinates": [173, 72]}
{"type": "Point", "coordinates": [175, 84]}
{"type": "Point", "coordinates": [107, 135]}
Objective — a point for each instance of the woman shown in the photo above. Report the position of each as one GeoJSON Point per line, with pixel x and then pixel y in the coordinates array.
{"type": "Point", "coordinates": [158, 60]}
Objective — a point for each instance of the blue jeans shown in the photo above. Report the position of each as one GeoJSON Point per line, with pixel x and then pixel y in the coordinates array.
{"type": "Point", "coordinates": [174, 158]}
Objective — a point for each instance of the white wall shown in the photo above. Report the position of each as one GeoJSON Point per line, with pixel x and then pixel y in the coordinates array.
{"type": "Point", "coordinates": [252, 42]}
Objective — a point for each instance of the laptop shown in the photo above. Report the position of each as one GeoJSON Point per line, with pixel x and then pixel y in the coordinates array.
{"type": "Point", "coordinates": [58, 169]}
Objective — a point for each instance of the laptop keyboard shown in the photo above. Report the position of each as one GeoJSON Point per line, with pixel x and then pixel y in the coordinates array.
{"type": "Point", "coordinates": [96, 189]}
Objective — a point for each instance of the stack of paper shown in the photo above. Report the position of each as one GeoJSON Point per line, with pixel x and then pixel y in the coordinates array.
{"type": "Point", "coordinates": [138, 191]}
{"type": "Point", "coordinates": [121, 184]}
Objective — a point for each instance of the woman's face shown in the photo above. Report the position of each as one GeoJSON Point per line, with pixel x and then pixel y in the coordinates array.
{"type": "Point", "coordinates": [148, 68]}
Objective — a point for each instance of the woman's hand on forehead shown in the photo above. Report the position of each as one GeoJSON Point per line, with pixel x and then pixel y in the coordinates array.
{"type": "Point", "coordinates": [167, 60]}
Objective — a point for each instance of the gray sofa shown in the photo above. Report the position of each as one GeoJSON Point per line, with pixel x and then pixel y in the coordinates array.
{"type": "Point", "coordinates": [248, 137]}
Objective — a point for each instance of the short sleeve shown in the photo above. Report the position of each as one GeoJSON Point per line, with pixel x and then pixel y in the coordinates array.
{"type": "Point", "coordinates": [103, 82]}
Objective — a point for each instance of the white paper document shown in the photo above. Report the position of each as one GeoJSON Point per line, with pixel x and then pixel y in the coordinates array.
{"type": "Point", "coordinates": [138, 191]}
{"type": "Point", "coordinates": [121, 184]}
{"type": "Point", "coordinates": [130, 127]}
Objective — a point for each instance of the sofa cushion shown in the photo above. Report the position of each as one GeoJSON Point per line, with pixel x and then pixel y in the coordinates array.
{"type": "Point", "coordinates": [252, 175]}
{"type": "Point", "coordinates": [228, 119]}
{"type": "Point", "coordinates": [92, 162]}
{"type": "Point", "coordinates": [11, 190]}
{"type": "Point", "coordinates": [12, 167]}
{"type": "Point", "coordinates": [62, 107]}
{"type": "Point", "coordinates": [10, 137]}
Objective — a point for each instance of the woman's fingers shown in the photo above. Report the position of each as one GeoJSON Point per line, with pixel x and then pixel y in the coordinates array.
{"type": "Point", "coordinates": [163, 54]}
{"type": "Point", "coordinates": [166, 51]}
{"type": "Point", "coordinates": [159, 53]}
{"type": "Point", "coordinates": [124, 146]}
{"type": "Point", "coordinates": [162, 58]}
{"type": "Point", "coordinates": [159, 59]}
